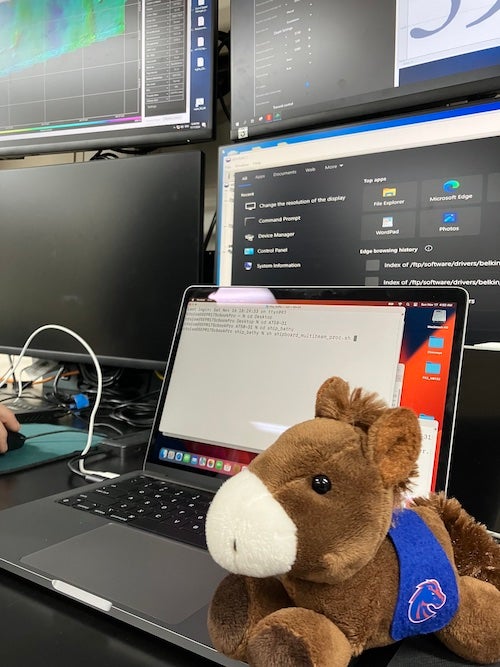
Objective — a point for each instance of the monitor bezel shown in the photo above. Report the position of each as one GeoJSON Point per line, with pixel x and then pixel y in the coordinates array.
{"type": "Point", "coordinates": [141, 142]}
{"type": "Point", "coordinates": [368, 108]}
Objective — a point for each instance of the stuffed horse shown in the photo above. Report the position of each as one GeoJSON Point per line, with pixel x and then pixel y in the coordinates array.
{"type": "Point", "coordinates": [326, 559]}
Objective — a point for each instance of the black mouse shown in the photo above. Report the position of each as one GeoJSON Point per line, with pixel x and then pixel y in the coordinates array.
{"type": "Point", "coordinates": [15, 440]}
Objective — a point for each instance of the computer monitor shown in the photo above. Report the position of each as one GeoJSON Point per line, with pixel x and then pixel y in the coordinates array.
{"type": "Point", "coordinates": [411, 200]}
{"type": "Point", "coordinates": [309, 62]}
{"type": "Point", "coordinates": [475, 462]}
{"type": "Point", "coordinates": [106, 248]}
{"type": "Point", "coordinates": [105, 74]}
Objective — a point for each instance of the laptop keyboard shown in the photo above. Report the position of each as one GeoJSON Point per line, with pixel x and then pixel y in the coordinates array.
{"type": "Point", "coordinates": [150, 504]}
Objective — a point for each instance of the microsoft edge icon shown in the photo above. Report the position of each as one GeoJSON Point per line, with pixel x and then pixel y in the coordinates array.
{"type": "Point", "coordinates": [449, 186]}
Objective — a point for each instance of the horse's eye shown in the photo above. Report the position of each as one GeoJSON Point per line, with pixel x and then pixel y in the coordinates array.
{"type": "Point", "coordinates": [321, 484]}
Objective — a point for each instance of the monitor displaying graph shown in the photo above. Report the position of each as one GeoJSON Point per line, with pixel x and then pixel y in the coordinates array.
{"type": "Point", "coordinates": [100, 73]}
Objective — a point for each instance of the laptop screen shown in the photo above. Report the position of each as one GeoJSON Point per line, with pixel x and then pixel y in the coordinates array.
{"type": "Point", "coordinates": [247, 362]}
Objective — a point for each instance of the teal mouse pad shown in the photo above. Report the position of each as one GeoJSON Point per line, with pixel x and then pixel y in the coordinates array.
{"type": "Point", "coordinates": [52, 443]}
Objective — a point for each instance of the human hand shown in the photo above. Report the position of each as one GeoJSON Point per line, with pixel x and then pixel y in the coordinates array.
{"type": "Point", "coordinates": [8, 422]}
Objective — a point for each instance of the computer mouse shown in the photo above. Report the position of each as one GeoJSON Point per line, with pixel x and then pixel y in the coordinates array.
{"type": "Point", "coordinates": [15, 440]}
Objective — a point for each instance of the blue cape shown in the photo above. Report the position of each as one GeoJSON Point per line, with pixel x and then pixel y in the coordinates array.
{"type": "Point", "coordinates": [428, 591]}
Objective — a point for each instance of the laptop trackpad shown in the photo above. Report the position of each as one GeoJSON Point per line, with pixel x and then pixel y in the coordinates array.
{"type": "Point", "coordinates": [150, 575]}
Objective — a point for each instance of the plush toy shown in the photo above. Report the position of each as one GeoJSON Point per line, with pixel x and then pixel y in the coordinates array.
{"type": "Point", "coordinates": [328, 560]}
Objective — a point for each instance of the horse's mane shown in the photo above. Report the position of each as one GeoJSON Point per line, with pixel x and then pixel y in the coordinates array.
{"type": "Point", "coordinates": [357, 407]}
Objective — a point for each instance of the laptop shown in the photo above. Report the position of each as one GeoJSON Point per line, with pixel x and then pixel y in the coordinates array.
{"type": "Point", "coordinates": [245, 364]}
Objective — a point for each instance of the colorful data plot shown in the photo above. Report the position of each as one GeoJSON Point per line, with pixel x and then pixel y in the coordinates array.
{"type": "Point", "coordinates": [33, 31]}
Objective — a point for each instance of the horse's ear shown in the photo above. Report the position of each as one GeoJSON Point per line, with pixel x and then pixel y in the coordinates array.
{"type": "Point", "coordinates": [395, 441]}
{"type": "Point", "coordinates": [335, 400]}
{"type": "Point", "coordinates": [393, 433]}
{"type": "Point", "coordinates": [332, 399]}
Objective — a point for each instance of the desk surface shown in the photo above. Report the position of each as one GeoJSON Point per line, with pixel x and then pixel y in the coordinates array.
{"type": "Point", "coordinates": [64, 632]}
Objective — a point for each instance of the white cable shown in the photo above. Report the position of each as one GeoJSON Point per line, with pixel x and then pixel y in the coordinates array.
{"type": "Point", "coordinates": [20, 384]}
{"type": "Point", "coordinates": [20, 388]}
{"type": "Point", "coordinates": [88, 445]}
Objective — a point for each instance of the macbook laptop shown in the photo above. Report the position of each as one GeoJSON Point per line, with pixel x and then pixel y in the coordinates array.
{"type": "Point", "coordinates": [245, 364]}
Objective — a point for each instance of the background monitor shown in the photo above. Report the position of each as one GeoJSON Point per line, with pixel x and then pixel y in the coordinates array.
{"type": "Point", "coordinates": [105, 73]}
{"type": "Point", "coordinates": [105, 248]}
{"type": "Point", "coordinates": [411, 201]}
{"type": "Point", "coordinates": [475, 463]}
{"type": "Point", "coordinates": [302, 63]}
